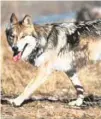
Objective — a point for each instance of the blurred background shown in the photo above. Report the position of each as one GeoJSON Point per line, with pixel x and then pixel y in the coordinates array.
{"type": "Point", "coordinates": [46, 11]}
{"type": "Point", "coordinates": [15, 76]}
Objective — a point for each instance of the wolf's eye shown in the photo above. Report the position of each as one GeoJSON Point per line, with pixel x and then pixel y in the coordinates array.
{"type": "Point", "coordinates": [12, 36]}
{"type": "Point", "coordinates": [23, 36]}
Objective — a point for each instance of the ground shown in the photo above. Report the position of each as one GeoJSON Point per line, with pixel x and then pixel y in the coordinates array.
{"type": "Point", "coordinates": [15, 76]}
{"type": "Point", "coordinates": [49, 110]}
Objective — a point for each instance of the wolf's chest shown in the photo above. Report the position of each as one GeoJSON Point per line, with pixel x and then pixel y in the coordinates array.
{"type": "Point", "coordinates": [62, 62]}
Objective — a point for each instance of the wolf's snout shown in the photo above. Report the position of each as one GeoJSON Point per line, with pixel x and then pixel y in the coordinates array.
{"type": "Point", "coordinates": [15, 48]}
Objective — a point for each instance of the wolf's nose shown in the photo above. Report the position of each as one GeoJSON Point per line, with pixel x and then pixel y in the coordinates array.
{"type": "Point", "coordinates": [15, 48]}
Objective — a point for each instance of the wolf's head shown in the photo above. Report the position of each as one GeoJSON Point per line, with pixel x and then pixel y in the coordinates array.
{"type": "Point", "coordinates": [21, 36]}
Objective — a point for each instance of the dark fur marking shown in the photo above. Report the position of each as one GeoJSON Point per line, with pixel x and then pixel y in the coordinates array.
{"type": "Point", "coordinates": [73, 39]}
{"type": "Point", "coordinates": [34, 54]}
{"type": "Point", "coordinates": [53, 37]}
{"type": "Point", "coordinates": [71, 72]}
{"type": "Point", "coordinates": [79, 92]}
{"type": "Point", "coordinates": [9, 34]}
{"type": "Point", "coordinates": [78, 86]}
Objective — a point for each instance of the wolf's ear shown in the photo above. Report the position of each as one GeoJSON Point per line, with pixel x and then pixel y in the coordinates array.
{"type": "Point", "coordinates": [27, 20]}
{"type": "Point", "coordinates": [13, 19]}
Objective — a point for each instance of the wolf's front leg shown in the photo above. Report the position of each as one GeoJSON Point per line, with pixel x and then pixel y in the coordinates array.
{"type": "Point", "coordinates": [42, 74]}
{"type": "Point", "coordinates": [79, 88]}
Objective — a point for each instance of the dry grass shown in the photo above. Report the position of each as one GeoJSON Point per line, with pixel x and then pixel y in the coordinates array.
{"type": "Point", "coordinates": [15, 76]}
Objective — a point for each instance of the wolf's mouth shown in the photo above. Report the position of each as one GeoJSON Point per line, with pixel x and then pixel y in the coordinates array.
{"type": "Point", "coordinates": [17, 55]}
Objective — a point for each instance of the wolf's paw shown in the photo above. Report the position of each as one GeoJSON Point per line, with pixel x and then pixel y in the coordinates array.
{"type": "Point", "coordinates": [15, 102]}
{"type": "Point", "coordinates": [77, 102]}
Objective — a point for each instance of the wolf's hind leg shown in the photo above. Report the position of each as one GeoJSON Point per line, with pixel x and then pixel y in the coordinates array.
{"type": "Point", "coordinates": [78, 86]}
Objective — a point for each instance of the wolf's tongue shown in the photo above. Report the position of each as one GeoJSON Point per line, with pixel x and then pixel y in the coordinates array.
{"type": "Point", "coordinates": [17, 57]}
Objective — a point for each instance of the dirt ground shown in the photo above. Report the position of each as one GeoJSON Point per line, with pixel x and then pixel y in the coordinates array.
{"type": "Point", "coordinates": [49, 110]}
{"type": "Point", "coordinates": [15, 76]}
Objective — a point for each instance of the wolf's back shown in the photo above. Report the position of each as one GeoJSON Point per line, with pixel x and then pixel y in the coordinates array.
{"type": "Point", "coordinates": [89, 28]}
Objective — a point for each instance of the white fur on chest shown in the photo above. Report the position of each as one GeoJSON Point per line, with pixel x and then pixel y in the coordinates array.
{"type": "Point", "coordinates": [64, 63]}
{"type": "Point", "coordinates": [61, 63]}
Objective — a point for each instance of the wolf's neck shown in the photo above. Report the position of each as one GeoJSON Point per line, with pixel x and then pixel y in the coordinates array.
{"type": "Point", "coordinates": [43, 30]}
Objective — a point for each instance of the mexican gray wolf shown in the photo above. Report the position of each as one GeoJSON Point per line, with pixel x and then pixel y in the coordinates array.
{"type": "Point", "coordinates": [59, 46]}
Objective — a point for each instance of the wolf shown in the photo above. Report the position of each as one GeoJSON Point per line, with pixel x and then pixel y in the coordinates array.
{"type": "Point", "coordinates": [63, 46]}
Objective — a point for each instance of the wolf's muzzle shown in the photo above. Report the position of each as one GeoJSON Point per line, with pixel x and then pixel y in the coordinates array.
{"type": "Point", "coordinates": [17, 54]}
{"type": "Point", "coordinates": [15, 48]}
